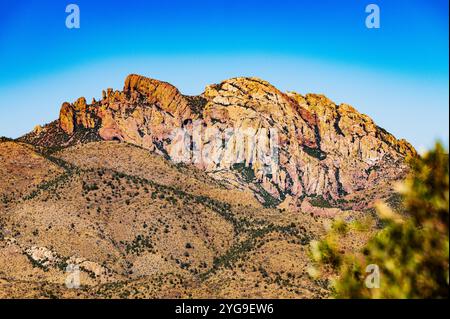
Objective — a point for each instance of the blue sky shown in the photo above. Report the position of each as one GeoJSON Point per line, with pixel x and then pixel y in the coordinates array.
{"type": "Point", "coordinates": [397, 74]}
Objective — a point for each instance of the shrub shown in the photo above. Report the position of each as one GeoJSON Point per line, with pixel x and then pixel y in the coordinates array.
{"type": "Point", "coordinates": [326, 252]}
{"type": "Point", "coordinates": [411, 251]}
{"type": "Point", "coordinates": [340, 227]}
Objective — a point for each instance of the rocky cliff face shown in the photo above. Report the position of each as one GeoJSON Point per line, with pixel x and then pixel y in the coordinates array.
{"type": "Point", "coordinates": [284, 143]}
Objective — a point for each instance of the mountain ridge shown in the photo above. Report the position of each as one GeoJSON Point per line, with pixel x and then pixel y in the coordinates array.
{"type": "Point", "coordinates": [324, 149]}
{"type": "Point", "coordinates": [153, 194]}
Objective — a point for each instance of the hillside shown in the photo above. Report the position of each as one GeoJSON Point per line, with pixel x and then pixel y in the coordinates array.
{"type": "Point", "coordinates": [159, 195]}
{"type": "Point", "coordinates": [288, 143]}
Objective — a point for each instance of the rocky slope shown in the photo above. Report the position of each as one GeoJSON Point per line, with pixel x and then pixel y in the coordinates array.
{"type": "Point", "coordinates": [138, 225]}
{"type": "Point", "coordinates": [153, 194]}
{"type": "Point", "coordinates": [284, 144]}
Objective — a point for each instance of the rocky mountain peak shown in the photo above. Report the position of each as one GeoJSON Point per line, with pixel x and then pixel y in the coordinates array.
{"type": "Point", "coordinates": [285, 144]}
{"type": "Point", "coordinates": [165, 95]}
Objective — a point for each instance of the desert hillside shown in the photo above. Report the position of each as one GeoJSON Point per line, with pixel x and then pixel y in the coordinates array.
{"type": "Point", "coordinates": [154, 194]}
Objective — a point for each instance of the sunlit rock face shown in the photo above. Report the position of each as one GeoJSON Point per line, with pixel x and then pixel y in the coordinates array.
{"type": "Point", "coordinates": [286, 143]}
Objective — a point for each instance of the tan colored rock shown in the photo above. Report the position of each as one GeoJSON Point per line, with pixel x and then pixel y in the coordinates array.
{"type": "Point", "coordinates": [37, 129]}
{"type": "Point", "coordinates": [66, 118]}
{"type": "Point", "coordinates": [323, 148]}
{"type": "Point", "coordinates": [164, 94]}
{"type": "Point", "coordinates": [43, 256]}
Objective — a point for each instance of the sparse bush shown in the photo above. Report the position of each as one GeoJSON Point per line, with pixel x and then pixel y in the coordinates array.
{"type": "Point", "coordinates": [340, 227]}
{"type": "Point", "coordinates": [319, 201]}
{"type": "Point", "coordinates": [326, 251]}
{"type": "Point", "coordinates": [411, 251]}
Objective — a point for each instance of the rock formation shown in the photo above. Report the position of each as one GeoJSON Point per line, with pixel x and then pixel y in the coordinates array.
{"type": "Point", "coordinates": [292, 144]}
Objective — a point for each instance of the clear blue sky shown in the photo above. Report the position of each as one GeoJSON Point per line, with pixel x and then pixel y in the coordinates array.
{"type": "Point", "coordinates": [397, 74]}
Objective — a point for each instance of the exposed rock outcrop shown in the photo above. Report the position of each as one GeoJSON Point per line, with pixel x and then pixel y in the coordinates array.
{"type": "Point", "coordinates": [284, 143]}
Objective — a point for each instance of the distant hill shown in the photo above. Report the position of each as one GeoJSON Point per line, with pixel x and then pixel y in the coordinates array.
{"type": "Point", "coordinates": [154, 194]}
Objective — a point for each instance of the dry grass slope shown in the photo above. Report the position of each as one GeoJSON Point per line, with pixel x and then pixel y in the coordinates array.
{"type": "Point", "coordinates": [140, 226]}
